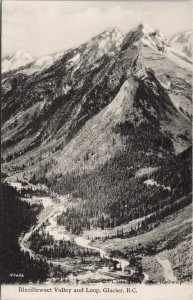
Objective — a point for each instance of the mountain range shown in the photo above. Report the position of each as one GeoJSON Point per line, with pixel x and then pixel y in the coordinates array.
{"type": "Point", "coordinates": [181, 41]}
{"type": "Point", "coordinates": [78, 108]}
{"type": "Point", "coordinates": [108, 124]}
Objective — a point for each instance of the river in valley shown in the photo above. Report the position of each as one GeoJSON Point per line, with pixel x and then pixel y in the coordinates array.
{"type": "Point", "coordinates": [48, 216]}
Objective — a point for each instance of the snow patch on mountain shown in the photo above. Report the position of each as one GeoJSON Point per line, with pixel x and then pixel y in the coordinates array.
{"type": "Point", "coordinates": [156, 40]}
{"type": "Point", "coordinates": [183, 42]}
{"type": "Point", "coordinates": [106, 43]}
{"type": "Point", "coordinates": [41, 63]}
{"type": "Point", "coordinates": [179, 58]}
{"type": "Point", "coordinates": [75, 58]}
{"type": "Point", "coordinates": [145, 171]}
{"type": "Point", "coordinates": [66, 88]}
{"type": "Point", "coordinates": [152, 182]}
{"type": "Point", "coordinates": [44, 62]}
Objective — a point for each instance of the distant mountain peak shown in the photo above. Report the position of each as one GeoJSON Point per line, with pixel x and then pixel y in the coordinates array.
{"type": "Point", "coordinates": [113, 34]}
{"type": "Point", "coordinates": [107, 42]}
{"type": "Point", "coordinates": [17, 60]}
{"type": "Point", "coordinates": [114, 31]}
{"type": "Point", "coordinates": [147, 35]}
{"type": "Point", "coordinates": [85, 108]}
{"type": "Point", "coordinates": [182, 41]}
{"type": "Point", "coordinates": [145, 28]}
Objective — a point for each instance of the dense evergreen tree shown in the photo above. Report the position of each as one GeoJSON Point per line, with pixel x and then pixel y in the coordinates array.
{"type": "Point", "coordinates": [16, 217]}
{"type": "Point", "coordinates": [113, 195]}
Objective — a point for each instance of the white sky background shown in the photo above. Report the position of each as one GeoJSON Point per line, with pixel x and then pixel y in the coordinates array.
{"type": "Point", "coordinates": [43, 27]}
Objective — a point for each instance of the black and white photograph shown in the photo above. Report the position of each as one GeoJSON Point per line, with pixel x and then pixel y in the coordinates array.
{"type": "Point", "coordinates": [96, 156]}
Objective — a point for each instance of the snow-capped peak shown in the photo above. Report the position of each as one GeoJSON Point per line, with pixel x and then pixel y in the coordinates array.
{"type": "Point", "coordinates": [112, 34]}
{"type": "Point", "coordinates": [108, 42]}
{"type": "Point", "coordinates": [146, 35]}
{"type": "Point", "coordinates": [19, 59]}
{"type": "Point", "coordinates": [145, 28]}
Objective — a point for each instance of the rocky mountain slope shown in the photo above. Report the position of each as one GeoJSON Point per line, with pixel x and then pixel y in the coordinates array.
{"type": "Point", "coordinates": [84, 106]}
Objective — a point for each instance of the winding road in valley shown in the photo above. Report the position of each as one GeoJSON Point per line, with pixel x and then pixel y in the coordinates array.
{"type": "Point", "coordinates": [23, 242]}
{"type": "Point", "coordinates": [81, 241]}
{"type": "Point", "coordinates": [49, 213]}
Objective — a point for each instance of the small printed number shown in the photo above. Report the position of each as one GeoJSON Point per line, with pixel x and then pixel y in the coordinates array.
{"type": "Point", "coordinates": [16, 275]}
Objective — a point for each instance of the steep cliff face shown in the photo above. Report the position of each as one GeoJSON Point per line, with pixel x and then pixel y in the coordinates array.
{"type": "Point", "coordinates": [81, 108]}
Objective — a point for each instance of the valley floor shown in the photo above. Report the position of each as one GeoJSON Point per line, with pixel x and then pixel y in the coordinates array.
{"type": "Point", "coordinates": [170, 239]}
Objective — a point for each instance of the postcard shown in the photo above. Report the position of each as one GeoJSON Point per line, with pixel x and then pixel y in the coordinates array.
{"type": "Point", "coordinates": [96, 150]}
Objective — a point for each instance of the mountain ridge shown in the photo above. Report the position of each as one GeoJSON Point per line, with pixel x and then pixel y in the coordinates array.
{"type": "Point", "coordinates": [58, 102]}
{"type": "Point", "coordinates": [97, 140]}
{"type": "Point", "coordinates": [143, 29]}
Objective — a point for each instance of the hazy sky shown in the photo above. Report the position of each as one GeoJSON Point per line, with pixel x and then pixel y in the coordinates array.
{"type": "Point", "coordinates": [43, 27]}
